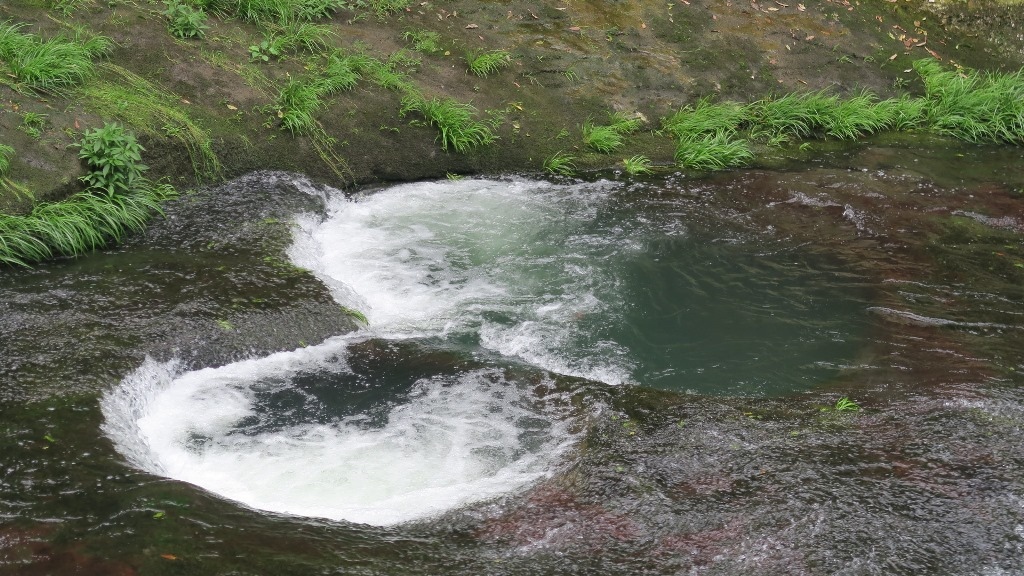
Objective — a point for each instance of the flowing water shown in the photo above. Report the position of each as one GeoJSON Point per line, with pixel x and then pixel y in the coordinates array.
{"type": "Point", "coordinates": [604, 377]}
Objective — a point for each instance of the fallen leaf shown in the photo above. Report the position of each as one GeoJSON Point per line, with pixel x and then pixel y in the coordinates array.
{"type": "Point", "coordinates": [781, 4]}
{"type": "Point", "coordinates": [919, 44]}
{"type": "Point", "coordinates": [168, 556]}
{"type": "Point", "coordinates": [809, 38]}
{"type": "Point", "coordinates": [879, 18]}
{"type": "Point", "coordinates": [574, 28]}
{"type": "Point", "coordinates": [471, 26]}
{"type": "Point", "coordinates": [934, 55]}
{"type": "Point", "coordinates": [230, 107]}
{"type": "Point", "coordinates": [801, 7]}
{"type": "Point", "coordinates": [184, 101]}
{"type": "Point", "coordinates": [773, 9]}
{"type": "Point", "coordinates": [643, 25]}
{"type": "Point", "coordinates": [917, 23]}
{"type": "Point", "coordinates": [893, 57]}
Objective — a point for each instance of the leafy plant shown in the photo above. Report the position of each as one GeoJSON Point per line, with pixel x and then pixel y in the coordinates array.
{"type": "Point", "coordinates": [560, 164]}
{"type": "Point", "coordinates": [263, 51]}
{"type": "Point", "coordinates": [117, 200]}
{"type": "Point", "coordinates": [67, 7]}
{"type": "Point", "coordinates": [484, 64]}
{"type": "Point", "coordinates": [637, 165]}
{"type": "Point", "coordinates": [114, 158]}
{"type": "Point", "coordinates": [184, 21]}
{"type": "Point", "coordinates": [150, 109]}
{"type": "Point", "coordinates": [854, 117]}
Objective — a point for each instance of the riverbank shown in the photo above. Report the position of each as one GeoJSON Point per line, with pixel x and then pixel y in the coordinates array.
{"type": "Point", "coordinates": [210, 106]}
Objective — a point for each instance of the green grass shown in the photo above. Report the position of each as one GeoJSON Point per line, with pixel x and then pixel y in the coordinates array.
{"type": "Point", "coordinates": [973, 106]}
{"type": "Point", "coordinates": [296, 103]}
{"type": "Point", "coordinates": [604, 139]}
{"type": "Point", "coordinates": [854, 117]}
{"type": "Point", "coordinates": [484, 64]}
{"type": "Point", "coordinates": [300, 98]}
{"type": "Point", "coordinates": [903, 113]}
{"type": "Point", "coordinates": [117, 200]}
{"type": "Point", "coordinates": [79, 224]}
{"type": "Point", "coordinates": [149, 109]}
{"type": "Point", "coordinates": [712, 152]}
{"type": "Point", "coordinates": [298, 35]}
{"type": "Point", "coordinates": [52, 65]}
{"type": "Point", "coordinates": [560, 164]}
{"type": "Point", "coordinates": [797, 115]}
{"type": "Point", "coordinates": [623, 123]}
{"type": "Point", "coordinates": [454, 121]}
{"type": "Point", "coordinates": [637, 165]}
{"type": "Point", "coordinates": [423, 41]}
{"type": "Point", "coordinates": [385, 8]}
{"type": "Point", "coordinates": [274, 12]}
{"type": "Point", "coordinates": [706, 118]}
{"type": "Point", "coordinates": [6, 154]}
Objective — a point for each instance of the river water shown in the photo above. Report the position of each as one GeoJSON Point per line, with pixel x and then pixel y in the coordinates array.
{"type": "Point", "coordinates": [602, 377]}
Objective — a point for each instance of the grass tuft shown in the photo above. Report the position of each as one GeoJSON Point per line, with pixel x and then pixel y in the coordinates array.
{"type": "Point", "coordinates": [560, 164]}
{"type": "Point", "coordinates": [53, 65]}
{"type": "Point", "coordinates": [706, 118]}
{"type": "Point", "coordinates": [712, 152]}
{"type": "Point", "coordinates": [484, 64]}
{"type": "Point", "coordinates": [423, 41]}
{"type": "Point", "coordinates": [454, 121]}
{"type": "Point", "coordinates": [6, 153]}
{"type": "Point", "coordinates": [637, 165]}
{"type": "Point", "coordinates": [973, 106]}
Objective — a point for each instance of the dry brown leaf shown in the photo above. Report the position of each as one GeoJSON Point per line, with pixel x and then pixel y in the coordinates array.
{"type": "Point", "coordinates": [168, 556]}
{"type": "Point", "coordinates": [801, 7]}
{"type": "Point", "coordinates": [471, 26]}
{"type": "Point", "coordinates": [893, 57]}
{"type": "Point", "coordinates": [809, 38]}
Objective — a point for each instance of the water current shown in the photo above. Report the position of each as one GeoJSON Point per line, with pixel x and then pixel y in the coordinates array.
{"type": "Point", "coordinates": [610, 376]}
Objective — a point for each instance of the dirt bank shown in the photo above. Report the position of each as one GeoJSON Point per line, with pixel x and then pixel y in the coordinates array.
{"type": "Point", "coordinates": [571, 60]}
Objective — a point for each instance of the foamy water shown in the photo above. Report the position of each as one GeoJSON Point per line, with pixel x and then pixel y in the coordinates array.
{"type": "Point", "coordinates": [475, 259]}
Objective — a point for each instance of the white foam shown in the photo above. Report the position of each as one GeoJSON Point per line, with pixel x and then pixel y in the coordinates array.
{"type": "Point", "coordinates": [450, 257]}
{"type": "Point", "coordinates": [513, 265]}
{"type": "Point", "coordinates": [459, 440]}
